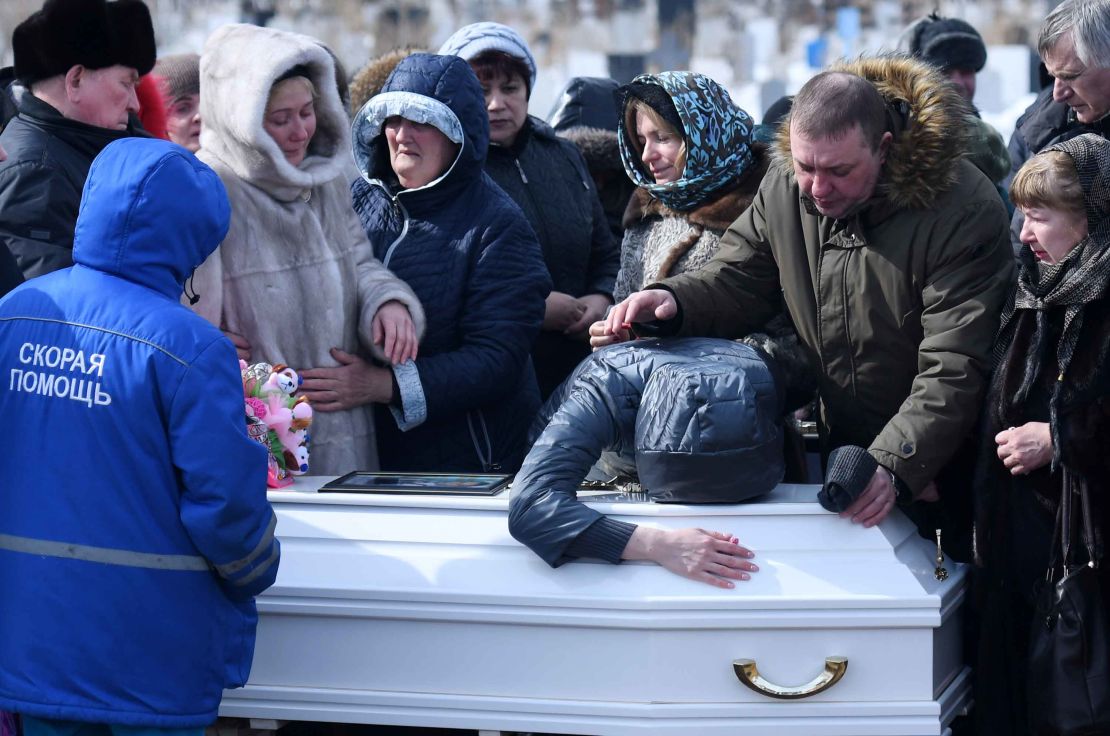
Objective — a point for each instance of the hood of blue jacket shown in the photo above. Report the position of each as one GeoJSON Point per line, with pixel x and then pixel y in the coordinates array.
{"type": "Point", "coordinates": [426, 88]}
{"type": "Point", "coordinates": [150, 213]}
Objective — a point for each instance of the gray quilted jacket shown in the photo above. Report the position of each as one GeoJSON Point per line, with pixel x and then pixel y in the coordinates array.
{"type": "Point", "coordinates": [700, 415]}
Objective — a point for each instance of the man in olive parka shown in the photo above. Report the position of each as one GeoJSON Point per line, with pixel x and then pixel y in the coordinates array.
{"type": "Point", "coordinates": [891, 252]}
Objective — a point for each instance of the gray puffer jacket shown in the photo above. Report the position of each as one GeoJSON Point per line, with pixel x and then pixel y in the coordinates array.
{"type": "Point", "coordinates": [700, 414]}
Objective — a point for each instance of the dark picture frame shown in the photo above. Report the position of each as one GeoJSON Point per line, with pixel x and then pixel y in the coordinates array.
{"type": "Point", "coordinates": [419, 484]}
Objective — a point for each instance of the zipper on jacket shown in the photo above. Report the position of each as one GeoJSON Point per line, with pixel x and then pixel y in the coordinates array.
{"type": "Point", "coordinates": [399, 238]}
{"type": "Point", "coordinates": [848, 321]}
{"type": "Point", "coordinates": [541, 221]}
{"type": "Point", "coordinates": [485, 459]}
{"type": "Point", "coordinates": [574, 165]}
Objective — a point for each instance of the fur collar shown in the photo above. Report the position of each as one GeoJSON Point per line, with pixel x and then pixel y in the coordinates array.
{"type": "Point", "coordinates": [598, 146]}
{"type": "Point", "coordinates": [716, 214]}
{"type": "Point", "coordinates": [239, 65]}
{"type": "Point", "coordinates": [372, 77]}
{"type": "Point", "coordinates": [922, 162]}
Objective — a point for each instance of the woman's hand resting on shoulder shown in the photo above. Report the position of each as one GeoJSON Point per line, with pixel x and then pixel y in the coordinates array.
{"type": "Point", "coordinates": [393, 330]}
{"type": "Point", "coordinates": [715, 558]}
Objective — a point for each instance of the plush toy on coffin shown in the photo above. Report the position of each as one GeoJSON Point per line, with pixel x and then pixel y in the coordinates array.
{"type": "Point", "coordinates": [277, 418]}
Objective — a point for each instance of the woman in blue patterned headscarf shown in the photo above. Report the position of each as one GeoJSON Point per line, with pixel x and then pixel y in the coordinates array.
{"type": "Point", "coordinates": [689, 150]}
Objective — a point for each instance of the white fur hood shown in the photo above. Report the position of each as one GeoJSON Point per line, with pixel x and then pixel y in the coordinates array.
{"type": "Point", "coordinates": [239, 65]}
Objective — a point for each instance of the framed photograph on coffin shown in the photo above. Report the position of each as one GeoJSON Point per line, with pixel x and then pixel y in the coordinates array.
{"type": "Point", "coordinates": [419, 484]}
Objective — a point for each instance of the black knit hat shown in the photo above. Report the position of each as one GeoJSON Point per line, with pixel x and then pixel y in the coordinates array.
{"type": "Point", "coordinates": [93, 33]}
{"type": "Point", "coordinates": [948, 43]}
{"type": "Point", "coordinates": [656, 98]}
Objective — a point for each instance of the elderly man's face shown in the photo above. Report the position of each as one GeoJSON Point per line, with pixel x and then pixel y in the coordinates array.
{"type": "Point", "coordinates": [837, 174]}
{"type": "Point", "coordinates": [1086, 90]}
{"type": "Point", "coordinates": [104, 97]}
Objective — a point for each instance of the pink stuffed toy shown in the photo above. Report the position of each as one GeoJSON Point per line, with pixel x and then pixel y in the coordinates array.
{"type": "Point", "coordinates": [284, 418]}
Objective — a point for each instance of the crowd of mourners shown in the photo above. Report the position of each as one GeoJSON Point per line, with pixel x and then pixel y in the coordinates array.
{"type": "Point", "coordinates": [649, 289]}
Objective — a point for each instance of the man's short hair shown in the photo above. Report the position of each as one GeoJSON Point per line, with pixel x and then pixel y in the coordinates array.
{"type": "Point", "coordinates": [1048, 180]}
{"type": "Point", "coordinates": [832, 103]}
{"type": "Point", "coordinates": [1088, 22]}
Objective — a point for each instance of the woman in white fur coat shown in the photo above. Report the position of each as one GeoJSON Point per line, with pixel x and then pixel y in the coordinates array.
{"type": "Point", "coordinates": [295, 280]}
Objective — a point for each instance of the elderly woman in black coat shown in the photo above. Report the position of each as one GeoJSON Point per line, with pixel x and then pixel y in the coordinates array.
{"type": "Point", "coordinates": [1047, 419]}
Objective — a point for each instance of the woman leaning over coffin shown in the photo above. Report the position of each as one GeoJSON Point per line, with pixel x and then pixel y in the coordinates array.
{"type": "Point", "coordinates": [295, 280]}
{"type": "Point", "coordinates": [1047, 417]}
{"type": "Point", "coordinates": [440, 223]}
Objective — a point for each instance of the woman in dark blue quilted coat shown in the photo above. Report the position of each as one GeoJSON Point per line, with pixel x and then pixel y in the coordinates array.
{"type": "Point", "coordinates": [441, 224]}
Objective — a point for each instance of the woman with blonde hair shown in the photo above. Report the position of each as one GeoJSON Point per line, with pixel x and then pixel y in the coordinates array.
{"type": "Point", "coordinates": [295, 280]}
{"type": "Point", "coordinates": [689, 150]}
{"type": "Point", "coordinates": [1047, 419]}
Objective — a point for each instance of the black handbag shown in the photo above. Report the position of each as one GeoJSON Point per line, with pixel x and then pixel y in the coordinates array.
{"type": "Point", "coordinates": [1068, 684]}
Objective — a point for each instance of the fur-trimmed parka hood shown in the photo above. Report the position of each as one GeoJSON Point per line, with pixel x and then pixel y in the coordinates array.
{"type": "Point", "coordinates": [598, 146]}
{"type": "Point", "coordinates": [921, 162]}
{"type": "Point", "coordinates": [369, 80]}
{"type": "Point", "coordinates": [239, 65]}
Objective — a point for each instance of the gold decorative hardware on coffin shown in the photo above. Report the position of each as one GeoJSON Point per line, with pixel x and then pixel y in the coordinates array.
{"type": "Point", "coordinates": [748, 673]}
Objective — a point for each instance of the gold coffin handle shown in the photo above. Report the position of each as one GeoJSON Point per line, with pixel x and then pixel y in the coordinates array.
{"type": "Point", "coordinates": [748, 673]}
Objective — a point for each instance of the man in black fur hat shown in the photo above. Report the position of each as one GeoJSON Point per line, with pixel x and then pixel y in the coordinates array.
{"type": "Point", "coordinates": [950, 44]}
{"type": "Point", "coordinates": [79, 62]}
{"type": "Point", "coordinates": [956, 48]}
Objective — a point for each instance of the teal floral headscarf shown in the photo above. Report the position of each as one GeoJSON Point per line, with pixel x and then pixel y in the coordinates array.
{"type": "Point", "coordinates": [718, 140]}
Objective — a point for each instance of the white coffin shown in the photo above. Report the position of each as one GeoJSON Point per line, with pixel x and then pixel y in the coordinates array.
{"type": "Point", "coordinates": [425, 612]}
